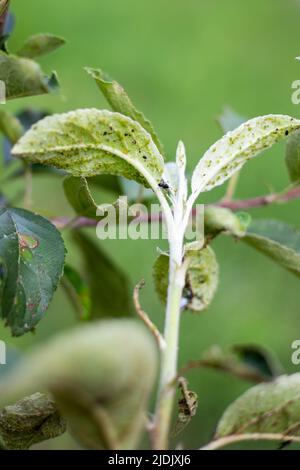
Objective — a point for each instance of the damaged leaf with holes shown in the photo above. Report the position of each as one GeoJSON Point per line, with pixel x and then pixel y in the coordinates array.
{"type": "Point", "coordinates": [32, 257]}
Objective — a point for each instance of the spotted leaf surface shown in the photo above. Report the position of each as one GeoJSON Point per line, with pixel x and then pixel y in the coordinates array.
{"type": "Point", "coordinates": [121, 103]}
{"type": "Point", "coordinates": [230, 153]}
{"type": "Point", "coordinates": [32, 256]}
{"type": "Point", "coordinates": [266, 408]}
{"type": "Point", "coordinates": [90, 142]}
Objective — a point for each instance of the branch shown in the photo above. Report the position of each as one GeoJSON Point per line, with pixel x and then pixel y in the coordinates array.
{"type": "Point", "coordinates": [144, 317]}
{"type": "Point", "coordinates": [241, 204]}
{"type": "Point", "coordinates": [227, 440]}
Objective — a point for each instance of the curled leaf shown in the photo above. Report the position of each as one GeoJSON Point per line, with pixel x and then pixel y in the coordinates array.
{"type": "Point", "coordinates": [90, 142]}
{"type": "Point", "coordinates": [100, 375]}
{"type": "Point", "coordinates": [230, 153]}
{"type": "Point", "coordinates": [292, 156]}
{"type": "Point", "coordinates": [201, 278]}
{"type": "Point", "coordinates": [272, 407]}
{"type": "Point", "coordinates": [24, 77]}
{"type": "Point", "coordinates": [29, 421]}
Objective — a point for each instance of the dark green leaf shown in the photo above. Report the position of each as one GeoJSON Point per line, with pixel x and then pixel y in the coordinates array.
{"type": "Point", "coordinates": [32, 256]}
{"type": "Point", "coordinates": [259, 359]}
{"type": "Point", "coordinates": [121, 103]}
{"type": "Point", "coordinates": [272, 407]}
{"type": "Point", "coordinates": [31, 420]}
{"type": "Point", "coordinates": [108, 284]}
{"type": "Point", "coordinates": [79, 196]}
{"type": "Point", "coordinates": [292, 156]}
{"type": "Point", "coordinates": [277, 240]}
{"type": "Point", "coordinates": [40, 44]}
{"type": "Point", "coordinates": [23, 77]}
{"type": "Point", "coordinates": [77, 291]}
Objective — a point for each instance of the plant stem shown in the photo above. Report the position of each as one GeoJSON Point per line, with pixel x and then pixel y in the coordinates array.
{"type": "Point", "coordinates": [166, 393]}
{"type": "Point", "coordinates": [227, 440]}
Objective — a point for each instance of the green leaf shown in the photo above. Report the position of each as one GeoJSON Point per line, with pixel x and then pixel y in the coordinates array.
{"type": "Point", "coordinates": [40, 44]}
{"type": "Point", "coordinates": [219, 219]}
{"type": "Point", "coordinates": [292, 156]}
{"type": "Point", "coordinates": [79, 196]}
{"type": "Point", "coordinates": [247, 362]}
{"type": "Point", "coordinates": [78, 292]}
{"type": "Point", "coordinates": [201, 278]}
{"type": "Point", "coordinates": [228, 120]}
{"type": "Point", "coordinates": [90, 142]}
{"type": "Point", "coordinates": [10, 126]}
{"type": "Point", "coordinates": [32, 256]}
{"type": "Point", "coordinates": [31, 420]}
{"type": "Point", "coordinates": [121, 103]}
{"type": "Point", "coordinates": [108, 284]}
{"type": "Point", "coordinates": [100, 375]}
{"type": "Point", "coordinates": [266, 408]}
{"type": "Point", "coordinates": [258, 358]}
{"type": "Point", "coordinates": [277, 240]}
{"type": "Point", "coordinates": [230, 153]}
{"type": "Point", "coordinates": [24, 77]}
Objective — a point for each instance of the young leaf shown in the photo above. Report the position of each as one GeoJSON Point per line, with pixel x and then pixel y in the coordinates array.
{"type": "Point", "coordinates": [277, 240]}
{"type": "Point", "coordinates": [100, 375]}
{"type": "Point", "coordinates": [90, 142]}
{"type": "Point", "coordinates": [79, 196]}
{"type": "Point", "coordinates": [40, 44]}
{"type": "Point", "coordinates": [23, 77]}
{"type": "Point", "coordinates": [78, 292]}
{"type": "Point", "coordinates": [228, 120]}
{"type": "Point", "coordinates": [201, 278]}
{"type": "Point", "coordinates": [272, 407]}
{"type": "Point", "coordinates": [292, 156]}
{"type": "Point", "coordinates": [121, 103]}
{"type": "Point", "coordinates": [31, 420]}
{"type": "Point", "coordinates": [32, 257]}
{"type": "Point", "coordinates": [107, 283]}
{"type": "Point", "coordinates": [230, 153]}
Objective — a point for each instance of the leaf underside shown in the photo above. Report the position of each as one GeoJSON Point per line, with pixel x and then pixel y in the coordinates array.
{"type": "Point", "coordinates": [277, 240]}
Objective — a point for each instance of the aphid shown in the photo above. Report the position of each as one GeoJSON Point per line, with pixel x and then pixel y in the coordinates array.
{"type": "Point", "coordinates": [162, 184]}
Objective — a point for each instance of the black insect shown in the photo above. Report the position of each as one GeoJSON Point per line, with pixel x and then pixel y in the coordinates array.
{"type": "Point", "coordinates": [162, 184]}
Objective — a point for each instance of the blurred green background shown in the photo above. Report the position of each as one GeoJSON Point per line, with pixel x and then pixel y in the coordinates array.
{"type": "Point", "coordinates": [181, 62]}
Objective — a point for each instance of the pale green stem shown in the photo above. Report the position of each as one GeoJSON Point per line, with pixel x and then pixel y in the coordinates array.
{"type": "Point", "coordinates": [166, 393]}
{"type": "Point", "coordinates": [231, 187]}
